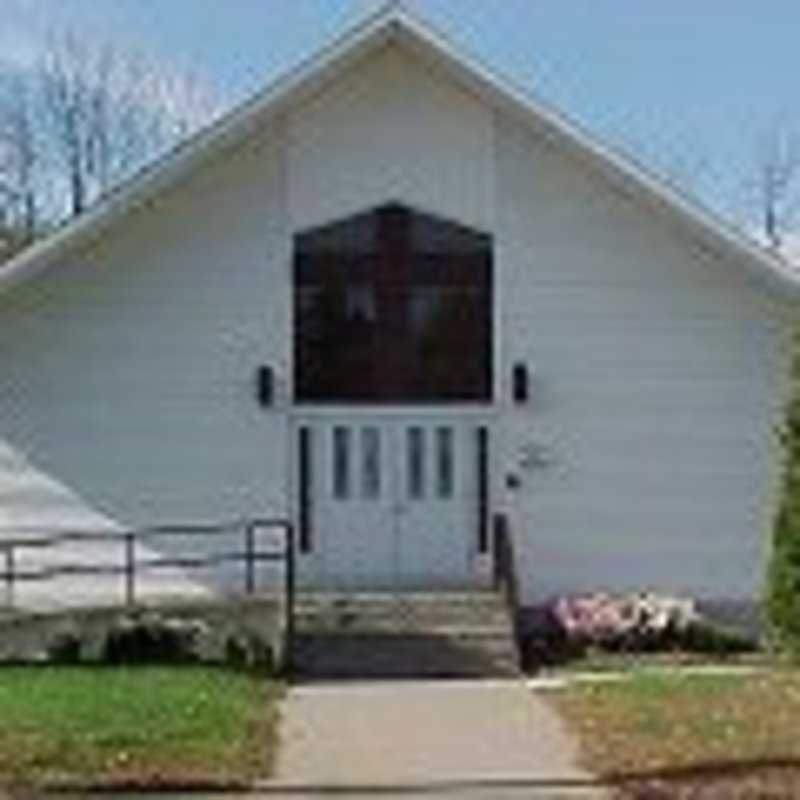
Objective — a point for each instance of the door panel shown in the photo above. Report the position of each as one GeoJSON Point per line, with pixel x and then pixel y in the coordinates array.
{"type": "Point", "coordinates": [352, 517]}
{"type": "Point", "coordinates": [437, 505]}
{"type": "Point", "coordinates": [393, 502]}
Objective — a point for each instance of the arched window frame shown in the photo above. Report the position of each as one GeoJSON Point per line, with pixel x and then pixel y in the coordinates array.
{"type": "Point", "coordinates": [393, 306]}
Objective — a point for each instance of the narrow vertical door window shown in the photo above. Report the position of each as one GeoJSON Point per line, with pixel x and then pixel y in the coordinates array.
{"type": "Point", "coordinates": [416, 463]}
{"type": "Point", "coordinates": [444, 463]}
{"type": "Point", "coordinates": [370, 463]}
{"type": "Point", "coordinates": [341, 463]}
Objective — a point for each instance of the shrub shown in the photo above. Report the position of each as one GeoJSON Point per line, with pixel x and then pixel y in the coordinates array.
{"type": "Point", "coordinates": [152, 640]}
{"type": "Point", "coordinates": [544, 642]}
{"type": "Point", "coordinates": [64, 648]}
{"type": "Point", "coordinates": [783, 586]}
{"type": "Point", "coordinates": [705, 637]}
{"type": "Point", "coordinates": [639, 622]}
{"type": "Point", "coordinates": [567, 628]}
{"type": "Point", "coordinates": [248, 651]}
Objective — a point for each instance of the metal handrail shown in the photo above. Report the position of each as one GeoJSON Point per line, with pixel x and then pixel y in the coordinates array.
{"type": "Point", "coordinates": [505, 567]}
{"type": "Point", "coordinates": [41, 538]}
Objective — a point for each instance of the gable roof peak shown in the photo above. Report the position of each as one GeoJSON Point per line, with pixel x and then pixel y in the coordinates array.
{"type": "Point", "coordinates": [386, 15]}
{"type": "Point", "coordinates": [394, 21]}
{"type": "Point", "coordinates": [391, 7]}
{"type": "Point", "coordinates": [398, 16]}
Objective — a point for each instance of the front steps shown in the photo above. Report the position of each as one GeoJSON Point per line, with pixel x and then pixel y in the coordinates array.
{"type": "Point", "coordinates": [404, 635]}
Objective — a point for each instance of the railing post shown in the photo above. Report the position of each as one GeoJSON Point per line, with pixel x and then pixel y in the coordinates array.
{"type": "Point", "coordinates": [130, 568]}
{"type": "Point", "coordinates": [290, 596]}
{"type": "Point", "coordinates": [249, 559]}
{"type": "Point", "coordinates": [10, 568]}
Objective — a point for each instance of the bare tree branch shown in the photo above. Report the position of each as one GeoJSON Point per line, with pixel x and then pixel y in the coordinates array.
{"type": "Point", "coordinates": [109, 110]}
{"type": "Point", "coordinates": [18, 158]}
{"type": "Point", "coordinates": [775, 185]}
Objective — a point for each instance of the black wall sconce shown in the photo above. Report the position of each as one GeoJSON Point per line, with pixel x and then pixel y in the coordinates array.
{"type": "Point", "coordinates": [265, 386]}
{"type": "Point", "coordinates": [520, 383]}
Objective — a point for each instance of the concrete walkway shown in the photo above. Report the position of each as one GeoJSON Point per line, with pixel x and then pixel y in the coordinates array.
{"type": "Point", "coordinates": [479, 737]}
{"type": "Point", "coordinates": [472, 740]}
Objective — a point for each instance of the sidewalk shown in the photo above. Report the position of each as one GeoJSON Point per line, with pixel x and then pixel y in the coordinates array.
{"type": "Point", "coordinates": [475, 740]}
{"type": "Point", "coordinates": [478, 738]}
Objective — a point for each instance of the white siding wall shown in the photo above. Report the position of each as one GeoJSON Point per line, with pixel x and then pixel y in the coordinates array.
{"type": "Point", "coordinates": [127, 388]}
{"type": "Point", "coordinates": [128, 370]}
{"type": "Point", "coordinates": [655, 389]}
{"type": "Point", "coordinates": [389, 131]}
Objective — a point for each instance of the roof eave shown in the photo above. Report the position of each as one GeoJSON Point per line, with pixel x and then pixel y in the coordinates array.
{"type": "Point", "coordinates": [372, 33]}
{"type": "Point", "coordinates": [711, 230]}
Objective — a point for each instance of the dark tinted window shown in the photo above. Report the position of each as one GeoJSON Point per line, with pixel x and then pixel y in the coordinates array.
{"type": "Point", "coordinates": [393, 306]}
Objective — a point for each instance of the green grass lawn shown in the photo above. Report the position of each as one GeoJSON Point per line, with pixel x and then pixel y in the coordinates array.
{"type": "Point", "coordinates": [135, 725]}
{"type": "Point", "coordinates": [704, 736]}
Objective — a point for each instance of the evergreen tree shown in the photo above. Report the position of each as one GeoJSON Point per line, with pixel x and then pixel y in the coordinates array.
{"type": "Point", "coordinates": [783, 592]}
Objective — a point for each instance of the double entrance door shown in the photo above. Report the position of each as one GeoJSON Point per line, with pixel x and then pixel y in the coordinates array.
{"type": "Point", "coordinates": [389, 501]}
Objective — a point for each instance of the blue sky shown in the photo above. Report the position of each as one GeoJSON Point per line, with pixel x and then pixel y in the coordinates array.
{"type": "Point", "coordinates": [690, 84]}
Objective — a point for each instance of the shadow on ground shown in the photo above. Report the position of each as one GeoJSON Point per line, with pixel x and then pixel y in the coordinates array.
{"type": "Point", "coordinates": [757, 779]}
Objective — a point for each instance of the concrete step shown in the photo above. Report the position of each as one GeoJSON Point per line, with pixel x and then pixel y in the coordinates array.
{"type": "Point", "coordinates": [476, 599]}
{"type": "Point", "coordinates": [483, 637]}
{"type": "Point", "coordinates": [401, 656]}
{"type": "Point", "coordinates": [412, 612]}
{"type": "Point", "coordinates": [399, 621]}
{"type": "Point", "coordinates": [442, 634]}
